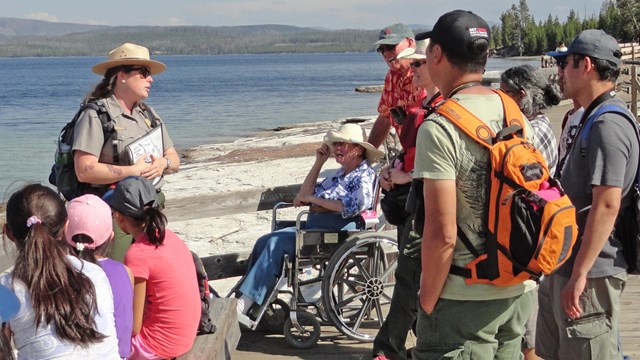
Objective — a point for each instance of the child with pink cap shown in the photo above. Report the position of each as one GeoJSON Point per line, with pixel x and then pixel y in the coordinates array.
{"type": "Point", "coordinates": [90, 234]}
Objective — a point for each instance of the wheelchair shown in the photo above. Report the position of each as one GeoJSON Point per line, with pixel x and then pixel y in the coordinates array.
{"type": "Point", "coordinates": [343, 278]}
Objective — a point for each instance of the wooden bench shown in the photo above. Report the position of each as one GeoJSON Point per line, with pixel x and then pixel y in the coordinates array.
{"type": "Point", "coordinates": [226, 265]}
{"type": "Point", "coordinates": [221, 344]}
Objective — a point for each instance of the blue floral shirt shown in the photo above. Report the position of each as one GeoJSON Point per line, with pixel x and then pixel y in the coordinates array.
{"type": "Point", "coordinates": [354, 190]}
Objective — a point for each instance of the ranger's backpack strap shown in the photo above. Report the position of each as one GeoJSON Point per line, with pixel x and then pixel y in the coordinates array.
{"type": "Point", "coordinates": [108, 127]}
{"type": "Point", "coordinates": [153, 119]}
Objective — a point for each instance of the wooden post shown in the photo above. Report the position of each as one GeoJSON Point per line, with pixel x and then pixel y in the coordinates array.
{"type": "Point", "coordinates": [634, 91]}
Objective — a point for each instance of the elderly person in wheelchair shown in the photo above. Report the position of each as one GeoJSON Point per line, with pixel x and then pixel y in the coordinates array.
{"type": "Point", "coordinates": [335, 203]}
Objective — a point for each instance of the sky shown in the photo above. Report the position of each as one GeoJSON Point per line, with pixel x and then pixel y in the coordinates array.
{"type": "Point", "coordinates": [332, 14]}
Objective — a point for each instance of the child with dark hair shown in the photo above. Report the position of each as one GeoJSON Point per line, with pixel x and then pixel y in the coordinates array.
{"type": "Point", "coordinates": [166, 299]}
{"type": "Point", "coordinates": [66, 305]}
{"type": "Point", "coordinates": [90, 234]}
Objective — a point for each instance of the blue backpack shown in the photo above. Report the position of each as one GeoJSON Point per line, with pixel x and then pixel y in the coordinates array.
{"type": "Point", "coordinates": [627, 227]}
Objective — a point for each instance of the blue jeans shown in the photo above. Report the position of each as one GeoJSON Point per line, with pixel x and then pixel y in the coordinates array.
{"type": "Point", "coordinates": [265, 264]}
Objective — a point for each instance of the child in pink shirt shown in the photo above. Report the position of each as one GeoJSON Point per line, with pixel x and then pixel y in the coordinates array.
{"type": "Point", "coordinates": [166, 299]}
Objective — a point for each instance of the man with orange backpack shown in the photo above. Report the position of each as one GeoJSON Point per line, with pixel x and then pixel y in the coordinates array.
{"type": "Point", "coordinates": [473, 303]}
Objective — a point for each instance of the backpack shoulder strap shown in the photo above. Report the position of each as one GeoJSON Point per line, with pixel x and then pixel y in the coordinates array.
{"type": "Point", "coordinates": [513, 117]}
{"type": "Point", "coordinates": [609, 108]}
{"type": "Point", "coordinates": [108, 125]}
{"type": "Point", "coordinates": [153, 119]}
{"type": "Point", "coordinates": [476, 128]}
{"type": "Point", "coordinates": [466, 121]}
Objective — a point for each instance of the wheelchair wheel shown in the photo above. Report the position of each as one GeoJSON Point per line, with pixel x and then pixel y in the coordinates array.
{"type": "Point", "coordinates": [308, 337]}
{"type": "Point", "coordinates": [358, 285]}
{"type": "Point", "coordinates": [274, 317]}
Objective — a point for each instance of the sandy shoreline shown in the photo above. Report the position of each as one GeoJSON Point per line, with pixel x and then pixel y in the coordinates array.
{"type": "Point", "coordinates": [212, 201]}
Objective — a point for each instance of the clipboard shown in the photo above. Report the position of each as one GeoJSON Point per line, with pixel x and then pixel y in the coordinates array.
{"type": "Point", "coordinates": [151, 143]}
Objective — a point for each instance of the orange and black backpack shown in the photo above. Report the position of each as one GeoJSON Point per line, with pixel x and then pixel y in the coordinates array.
{"type": "Point", "coordinates": [530, 223]}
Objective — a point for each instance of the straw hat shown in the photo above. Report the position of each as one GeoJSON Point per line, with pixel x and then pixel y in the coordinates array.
{"type": "Point", "coordinates": [353, 133]}
{"type": "Point", "coordinates": [129, 54]}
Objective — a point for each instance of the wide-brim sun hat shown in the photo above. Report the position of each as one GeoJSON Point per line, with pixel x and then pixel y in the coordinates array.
{"type": "Point", "coordinates": [353, 133]}
{"type": "Point", "coordinates": [419, 53]}
{"type": "Point", "coordinates": [129, 54]}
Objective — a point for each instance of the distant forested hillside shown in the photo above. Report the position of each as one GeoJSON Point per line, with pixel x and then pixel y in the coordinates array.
{"type": "Point", "coordinates": [188, 40]}
{"type": "Point", "coordinates": [10, 27]}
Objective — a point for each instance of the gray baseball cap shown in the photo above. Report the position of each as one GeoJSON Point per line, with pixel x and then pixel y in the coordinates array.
{"type": "Point", "coordinates": [595, 43]}
{"type": "Point", "coordinates": [394, 34]}
{"type": "Point", "coordinates": [131, 196]}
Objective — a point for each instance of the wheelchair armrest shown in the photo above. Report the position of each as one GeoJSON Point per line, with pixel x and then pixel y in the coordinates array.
{"type": "Point", "coordinates": [299, 220]}
{"type": "Point", "coordinates": [274, 215]}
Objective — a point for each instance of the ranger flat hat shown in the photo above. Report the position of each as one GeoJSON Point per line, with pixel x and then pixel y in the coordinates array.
{"type": "Point", "coordinates": [129, 54]}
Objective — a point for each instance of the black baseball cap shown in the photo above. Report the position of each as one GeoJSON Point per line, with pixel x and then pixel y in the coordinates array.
{"type": "Point", "coordinates": [456, 31]}
{"type": "Point", "coordinates": [595, 43]}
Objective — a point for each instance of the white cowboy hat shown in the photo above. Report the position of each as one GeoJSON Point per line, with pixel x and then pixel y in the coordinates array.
{"type": "Point", "coordinates": [129, 54]}
{"type": "Point", "coordinates": [419, 53]}
{"type": "Point", "coordinates": [353, 133]}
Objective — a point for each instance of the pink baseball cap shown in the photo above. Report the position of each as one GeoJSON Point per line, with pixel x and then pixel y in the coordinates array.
{"type": "Point", "coordinates": [91, 216]}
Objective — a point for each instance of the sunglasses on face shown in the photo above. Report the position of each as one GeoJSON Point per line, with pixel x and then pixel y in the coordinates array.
{"type": "Point", "coordinates": [417, 64]}
{"type": "Point", "coordinates": [144, 72]}
{"type": "Point", "coordinates": [562, 64]}
{"type": "Point", "coordinates": [386, 48]}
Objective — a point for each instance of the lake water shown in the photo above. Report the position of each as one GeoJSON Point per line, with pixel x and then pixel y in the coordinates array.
{"type": "Point", "coordinates": [203, 99]}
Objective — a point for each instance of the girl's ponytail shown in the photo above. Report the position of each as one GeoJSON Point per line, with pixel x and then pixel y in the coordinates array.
{"type": "Point", "coordinates": [58, 292]}
{"type": "Point", "coordinates": [155, 223]}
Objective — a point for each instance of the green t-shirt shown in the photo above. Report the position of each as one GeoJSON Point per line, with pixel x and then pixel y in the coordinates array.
{"type": "Point", "coordinates": [444, 152]}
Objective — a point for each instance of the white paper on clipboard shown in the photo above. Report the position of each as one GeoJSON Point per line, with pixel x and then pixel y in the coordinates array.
{"type": "Point", "coordinates": [150, 144]}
